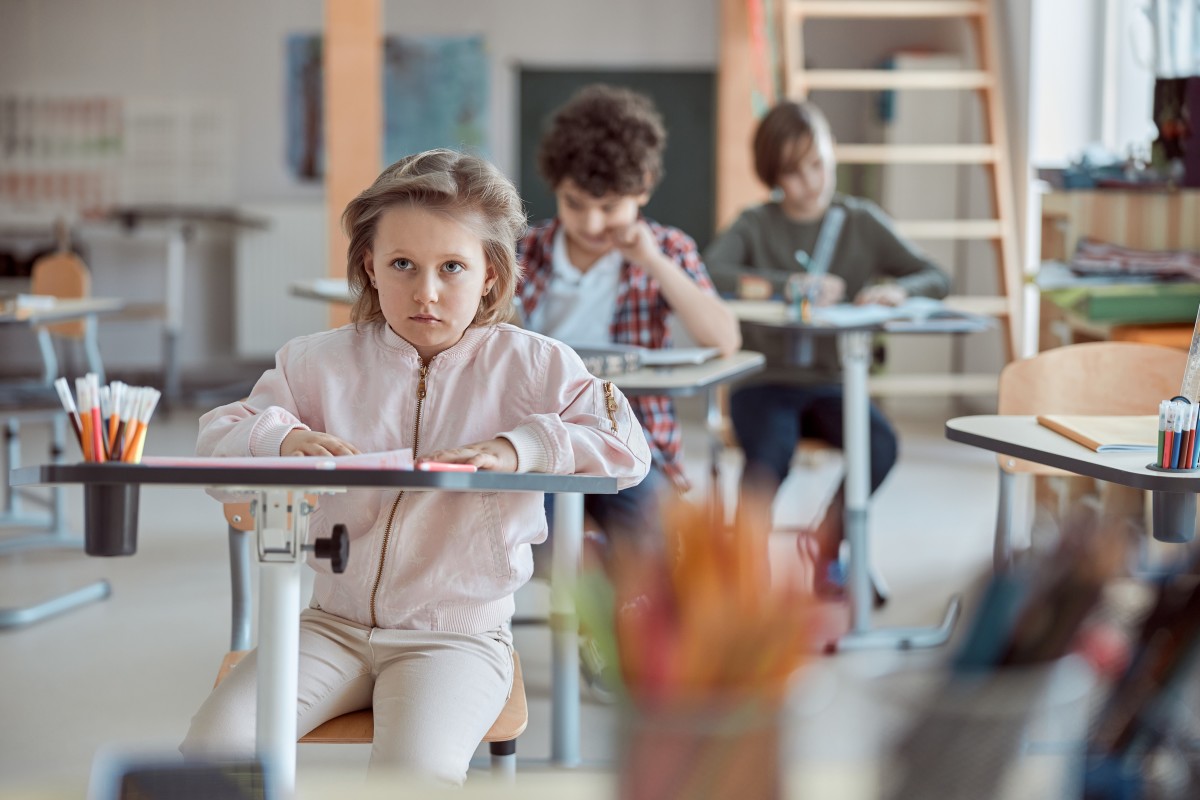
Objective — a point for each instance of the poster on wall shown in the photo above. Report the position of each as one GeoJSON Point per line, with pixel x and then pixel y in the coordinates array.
{"type": "Point", "coordinates": [435, 91]}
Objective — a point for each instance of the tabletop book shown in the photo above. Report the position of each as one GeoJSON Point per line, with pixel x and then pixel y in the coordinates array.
{"type": "Point", "coordinates": [1106, 434]}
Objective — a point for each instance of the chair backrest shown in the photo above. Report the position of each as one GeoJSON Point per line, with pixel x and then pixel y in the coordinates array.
{"type": "Point", "coordinates": [63, 275]}
{"type": "Point", "coordinates": [1093, 378]}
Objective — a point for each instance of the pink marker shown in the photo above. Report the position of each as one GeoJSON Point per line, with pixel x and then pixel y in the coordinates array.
{"type": "Point", "coordinates": [443, 466]}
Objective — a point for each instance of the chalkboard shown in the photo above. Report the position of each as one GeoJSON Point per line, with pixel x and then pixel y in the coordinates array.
{"type": "Point", "coordinates": [685, 98]}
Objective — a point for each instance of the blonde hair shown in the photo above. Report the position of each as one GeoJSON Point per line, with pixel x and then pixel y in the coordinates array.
{"type": "Point", "coordinates": [466, 187]}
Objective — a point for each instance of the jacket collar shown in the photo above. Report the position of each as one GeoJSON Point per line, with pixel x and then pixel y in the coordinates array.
{"type": "Point", "coordinates": [460, 351]}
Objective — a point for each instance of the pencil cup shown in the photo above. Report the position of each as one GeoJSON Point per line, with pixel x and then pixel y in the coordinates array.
{"type": "Point", "coordinates": [1173, 516]}
{"type": "Point", "coordinates": [110, 519]}
{"type": "Point", "coordinates": [970, 731]}
{"type": "Point", "coordinates": [715, 750]}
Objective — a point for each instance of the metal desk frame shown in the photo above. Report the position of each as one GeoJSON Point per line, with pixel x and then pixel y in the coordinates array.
{"type": "Point", "coordinates": [854, 350]}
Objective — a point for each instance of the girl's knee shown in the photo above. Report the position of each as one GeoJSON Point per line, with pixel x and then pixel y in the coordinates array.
{"type": "Point", "coordinates": [422, 763]}
{"type": "Point", "coordinates": [219, 732]}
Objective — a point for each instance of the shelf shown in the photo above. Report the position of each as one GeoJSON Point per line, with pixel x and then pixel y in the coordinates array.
{"type": "Point", "coordinates": [950, 229]}
{"type": "Point", "coordinates": [918, 385]}
{"type": "Point", "coordinates": [875, 79]}
{"type": "Point", "coordinates": [916, 153]}
{"type": "Point", "coordinates": [886, 9]}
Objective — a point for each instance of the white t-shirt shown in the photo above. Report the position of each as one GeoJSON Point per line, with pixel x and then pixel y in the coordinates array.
{"type": "Point", "coordinates": [577, 307]}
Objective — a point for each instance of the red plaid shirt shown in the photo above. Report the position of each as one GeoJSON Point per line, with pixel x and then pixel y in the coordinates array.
{"type": "Point", "coordinates": [640, 318]}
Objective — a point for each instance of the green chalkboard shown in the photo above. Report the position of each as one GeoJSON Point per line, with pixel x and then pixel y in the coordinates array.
{"type": "Point", "coordinates": [686, 100]}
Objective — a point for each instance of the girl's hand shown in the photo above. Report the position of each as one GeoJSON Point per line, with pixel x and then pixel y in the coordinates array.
{"type": "Point", "coordinates": [497, 455]}
{"type": "Point", "coordinates": [314, 443]}
{"type": "Point", "coordinates": [882, 294]}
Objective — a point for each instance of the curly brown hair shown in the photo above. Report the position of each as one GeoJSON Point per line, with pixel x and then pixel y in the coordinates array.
{"type": "Point", "coordinates": [605, 139]}
{"type": "Point", "coordinates": [463, 186]}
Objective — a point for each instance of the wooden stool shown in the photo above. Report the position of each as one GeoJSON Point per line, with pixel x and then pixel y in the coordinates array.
{"type": "Point", "coordinates": [358, 727]}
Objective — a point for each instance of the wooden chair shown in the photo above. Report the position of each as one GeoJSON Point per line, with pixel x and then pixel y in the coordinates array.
{"type": "Point", "coordinates": [357, 727]}
{"type": "Point", "coordinates": [63, 274]}
{"type": "Point", "coordinates": [1095, 378]}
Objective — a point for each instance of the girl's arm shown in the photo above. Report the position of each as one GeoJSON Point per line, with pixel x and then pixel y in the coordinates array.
{"type": "Point", "coordinates": [580, 425]}
{"type": "Point", "coordinates": [257, 425]}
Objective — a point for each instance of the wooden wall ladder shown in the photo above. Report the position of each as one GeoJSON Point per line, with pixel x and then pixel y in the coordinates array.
{"type": "Point", "coordinates": [992, 154]}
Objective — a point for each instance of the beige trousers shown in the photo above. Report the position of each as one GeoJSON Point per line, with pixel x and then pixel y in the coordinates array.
{"type": "Point", "coordinates": [434, 694]}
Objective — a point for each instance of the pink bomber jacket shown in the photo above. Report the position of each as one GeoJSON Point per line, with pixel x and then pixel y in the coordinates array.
{"type": "Point", "coordinates": [434, 560]}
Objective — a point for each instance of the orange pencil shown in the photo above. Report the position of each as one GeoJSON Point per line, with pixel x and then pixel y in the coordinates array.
{"type": "Point", "coordinates": [97, 423]}
{"type": "Point", "coordinates": [85, 417]}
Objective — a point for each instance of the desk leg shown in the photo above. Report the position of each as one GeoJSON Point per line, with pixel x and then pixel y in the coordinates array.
{"type": "Point", "coordinates": [56, 534]}
{"type": "Point", "coordinates": [716, 447]}
{"type": "Point", "coordinates": [278, 636]}
{"type": "Point", "coordinates": [173, 316]}
{"type": "Point", "coordinates": [564, 630]}
{"type": "Point", "coordinates": [855, 351]}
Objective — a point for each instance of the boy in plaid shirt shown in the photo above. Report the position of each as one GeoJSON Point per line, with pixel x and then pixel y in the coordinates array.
{"type": "Point", "coordinates": [601, 272]}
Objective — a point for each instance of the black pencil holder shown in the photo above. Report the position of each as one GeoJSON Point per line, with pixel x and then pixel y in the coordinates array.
{"type": "Point", "coordinates": [110, 519]}
{"type": "Point", "coordinates": [1173, 516]}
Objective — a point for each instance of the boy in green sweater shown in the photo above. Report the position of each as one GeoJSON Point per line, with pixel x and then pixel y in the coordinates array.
{"type": "Point", "coordinates": [836, 247]}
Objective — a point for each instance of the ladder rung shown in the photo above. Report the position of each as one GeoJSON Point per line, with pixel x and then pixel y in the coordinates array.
{"type": "Point", "coordinates": [985, 305]}
{"type": "Point", "coordinates": [933, 384]}
{"type": "Point", "coordinates": [869, 79]}
{"type": "Point", "coordinates": [916, 153]}
{"type": "Point", "coordinates": [950, 229]}
{"type": "Point", "coordinates": [886, 9]}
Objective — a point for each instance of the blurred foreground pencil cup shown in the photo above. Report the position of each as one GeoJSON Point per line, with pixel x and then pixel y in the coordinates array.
{"type": "Point", "coordinates": [727, 749]}
{"type": "Point", "coordinates": [110, 519]}
{"type": "Point", "coordinates": [1014, 731]}
{"type": "Point", "coordinates": [706, 650]}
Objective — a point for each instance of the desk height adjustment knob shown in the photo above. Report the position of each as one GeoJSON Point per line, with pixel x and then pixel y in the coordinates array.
{"type": "Point", "coordinates": [336, 548]}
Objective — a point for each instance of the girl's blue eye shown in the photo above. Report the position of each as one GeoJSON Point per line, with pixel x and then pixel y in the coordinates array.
{"type": "Point", "coordinates": [453, 267]}
{"type": "Point", "coordinates": [402, 263]}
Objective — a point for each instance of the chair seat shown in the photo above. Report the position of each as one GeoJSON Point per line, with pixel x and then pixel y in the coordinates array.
{"type": "Point", "coordinates": [358, 727]}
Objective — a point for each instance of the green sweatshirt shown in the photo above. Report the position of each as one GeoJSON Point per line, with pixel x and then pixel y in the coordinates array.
{"type": "Point", "coordinates": [764, 242]}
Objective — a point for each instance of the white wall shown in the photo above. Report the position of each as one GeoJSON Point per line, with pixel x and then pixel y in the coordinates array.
{"type": "Point", "coordinates": [234, 51]}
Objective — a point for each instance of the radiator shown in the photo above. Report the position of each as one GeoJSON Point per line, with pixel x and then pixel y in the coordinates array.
{"type": "Point", "coordinates": [268, 262]}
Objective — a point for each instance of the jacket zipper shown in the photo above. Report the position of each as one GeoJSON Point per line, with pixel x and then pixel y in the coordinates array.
{"type": "Point", "coordinates": [387, 533]}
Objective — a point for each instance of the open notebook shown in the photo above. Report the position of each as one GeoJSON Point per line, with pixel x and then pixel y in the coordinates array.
{"type": "Point", "coordinates": [1106, 434]}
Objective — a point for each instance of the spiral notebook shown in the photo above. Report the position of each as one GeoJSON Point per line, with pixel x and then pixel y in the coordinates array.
{"type": "Point", "coordinates": [1106, 434]}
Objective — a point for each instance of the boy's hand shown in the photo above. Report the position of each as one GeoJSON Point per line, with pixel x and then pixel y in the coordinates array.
{"type": "Point", "coordinates": [751, 287]}
{"type": "Point", "coordinates": [497, 455]}
{"type": "Point", "coordinates": [882, 294]}
{"type": "Point", "coordinates": [825, 290]}
{"type": "Point", "coordinates": [637, 243]}
{"type": "Point", "coordinates": [314, 443]}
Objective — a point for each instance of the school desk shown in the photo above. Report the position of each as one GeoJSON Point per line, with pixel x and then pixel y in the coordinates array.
{"type": "Point", "coordinates": [854, 348]}
{"type": "Point", "coordinates": [110, 511]}
{"type": "Point", "coordinates": [35, 402]}
{"type": "Point", "coordinates": [87, 309]}
{"type": "Point", "coordinates": [181, 223]}
{"type": "Point", "coordinates": [329, 290]}
{"type": "Point", "coordinates": [688, 380]}
{"type": "Point", "coordinates": [1173, 497]}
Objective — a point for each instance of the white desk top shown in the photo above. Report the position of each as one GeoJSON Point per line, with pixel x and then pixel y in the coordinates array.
{"type": "Point", "coordinates": [331, 290]}
{"type": "Point", "coordinates": [1023, 437]}
{"type": "Point", "coordinates": [65, 310]}
{"type": "Point", "coordinates": [689, 379]}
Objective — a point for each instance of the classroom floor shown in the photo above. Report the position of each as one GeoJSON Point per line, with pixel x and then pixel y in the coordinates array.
{"type": "Point", "coordinates": [130, 671]}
